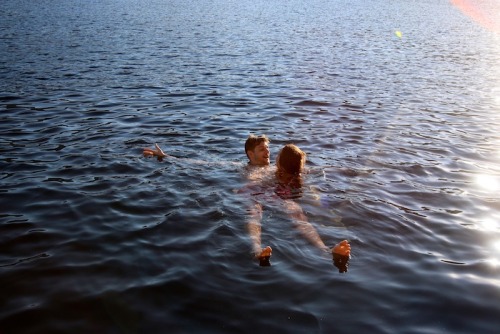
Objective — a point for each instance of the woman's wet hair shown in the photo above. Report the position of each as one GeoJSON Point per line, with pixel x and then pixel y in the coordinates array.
{"type": "Point", "coordinates": [291, 159]}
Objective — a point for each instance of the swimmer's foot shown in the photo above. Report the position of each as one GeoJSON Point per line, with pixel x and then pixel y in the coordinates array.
{"type": "Point", "coordinates": [265, 256]}
{"type": "Point", "coordinates": [341, 253]}
{"type": "Point", "coordinates": [342, 248]}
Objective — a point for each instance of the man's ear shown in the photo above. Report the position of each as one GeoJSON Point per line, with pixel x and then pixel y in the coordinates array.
{"type": "Point", "coordinates": [251, 155]}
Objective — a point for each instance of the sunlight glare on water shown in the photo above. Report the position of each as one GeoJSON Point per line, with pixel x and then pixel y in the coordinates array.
{"type": "Point", "coordinates": [489, 225]}
{"type": "Point", "coordinates": [396, 104]}
{"type": "Point", "coordinates": [489, 183]}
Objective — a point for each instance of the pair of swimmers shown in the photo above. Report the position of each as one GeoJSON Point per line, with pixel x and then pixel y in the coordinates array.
{"type": "Point", "coordinates": [290, 164]}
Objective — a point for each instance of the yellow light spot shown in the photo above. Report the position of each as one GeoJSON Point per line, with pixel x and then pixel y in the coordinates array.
{"type": "Point", "coordinates": [399, 33]}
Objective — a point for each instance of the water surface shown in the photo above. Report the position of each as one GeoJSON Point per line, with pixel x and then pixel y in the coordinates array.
{"type": "Point", "coordinates": [96, 238]}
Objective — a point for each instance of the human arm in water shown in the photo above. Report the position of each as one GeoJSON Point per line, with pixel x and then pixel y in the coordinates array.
{"type": "Point", "coordinates": [156, 152]}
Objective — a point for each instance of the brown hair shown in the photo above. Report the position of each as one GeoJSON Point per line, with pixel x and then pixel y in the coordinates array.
{"type": "Point", "coordinates": [291, 159]}
{"type": "Point", "coordinates": [254, 141]}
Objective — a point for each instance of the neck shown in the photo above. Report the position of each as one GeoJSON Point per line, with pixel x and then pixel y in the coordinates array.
{"type": "Point", "coordinates": [257, 164]}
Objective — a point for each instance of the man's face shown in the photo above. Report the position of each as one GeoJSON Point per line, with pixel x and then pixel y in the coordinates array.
{"type": "Point", "coordinates": [260, 155]}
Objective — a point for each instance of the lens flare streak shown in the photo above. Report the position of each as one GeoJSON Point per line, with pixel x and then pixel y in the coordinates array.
{"type": "Point", "coordinates": [480, 13]}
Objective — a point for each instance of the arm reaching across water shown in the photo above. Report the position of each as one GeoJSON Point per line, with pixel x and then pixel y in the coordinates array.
{"type": "Point", "coordinates": [156, 152]}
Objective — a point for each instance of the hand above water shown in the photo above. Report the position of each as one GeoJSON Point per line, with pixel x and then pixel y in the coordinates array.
{"type": "Point", "coordinates": [156, 152]}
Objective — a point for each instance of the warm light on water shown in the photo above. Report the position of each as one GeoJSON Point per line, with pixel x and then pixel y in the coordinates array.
{"type": "Point", "coordinates": [497, 248]}
{"type": "Point", "coordinates": [396, 104]}
{"type": "Point", "coordinates": [485, 13]}
{"type": "Point", "coordinates": [489, 225]}
{"type": "Point", "coordinates": [488, 183]}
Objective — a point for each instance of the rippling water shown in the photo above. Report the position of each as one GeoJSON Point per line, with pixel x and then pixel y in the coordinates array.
{"type": "Point", "coordinates": [97, 239]}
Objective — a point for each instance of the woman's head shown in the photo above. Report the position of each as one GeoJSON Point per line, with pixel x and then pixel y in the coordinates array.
{"type": "Point", "coordinates": [291, 159]}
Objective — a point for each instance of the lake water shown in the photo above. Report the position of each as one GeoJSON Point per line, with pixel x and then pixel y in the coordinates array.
{"type": "Point", "coordinates": [396, 101]}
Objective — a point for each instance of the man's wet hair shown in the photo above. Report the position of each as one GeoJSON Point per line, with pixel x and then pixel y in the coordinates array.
{"type": "Point", "coordinates": [254, 141]}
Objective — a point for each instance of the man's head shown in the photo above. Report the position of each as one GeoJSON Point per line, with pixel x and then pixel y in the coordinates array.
{"type": "Point", "coordinates": [257, 150]}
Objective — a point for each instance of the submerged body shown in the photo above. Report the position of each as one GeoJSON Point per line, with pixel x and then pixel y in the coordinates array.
{"type": "Point", "coordinates": [267, 185]}
{"type": "Point", "coordinates": [290, 164]}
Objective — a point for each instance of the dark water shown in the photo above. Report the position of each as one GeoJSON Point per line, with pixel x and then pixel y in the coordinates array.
{"type": "Point", "coordinates": [94, 238]}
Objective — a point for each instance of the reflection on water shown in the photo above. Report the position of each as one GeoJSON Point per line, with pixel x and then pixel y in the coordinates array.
{"type": "Point", "coordinates": [96, 238]}
{"type": "Point", "coordinates": [489, 224]}
{"type": "Point", "coordinates": [488, 182]}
